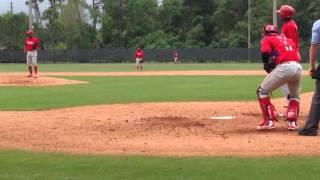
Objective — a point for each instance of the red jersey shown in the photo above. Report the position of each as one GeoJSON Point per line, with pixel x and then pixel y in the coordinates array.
{"type": "Point", "coordinates": [31, 44]}
{"type": "Point", "coordinates": [282, 48]}
{"type": "Point", "coordinates": [290, 30]}
{"type": "Point", "coordinates": [139, 54]}
{"type": "Point", "coordinates": [175, 54]}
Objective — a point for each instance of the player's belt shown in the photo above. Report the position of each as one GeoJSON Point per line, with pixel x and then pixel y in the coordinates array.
{"type": "Point", "coordinates": [288, 62]}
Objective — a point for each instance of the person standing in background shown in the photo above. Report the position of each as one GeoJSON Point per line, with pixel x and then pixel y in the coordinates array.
{"type": "Point", "coordinates": [139, 54]}
{"type": "Point", "coordinates": [175, 56]}
{"type": "Point", "coordinates": [289, 26]}
{"type": "Point", "coordinates": [289, 30]}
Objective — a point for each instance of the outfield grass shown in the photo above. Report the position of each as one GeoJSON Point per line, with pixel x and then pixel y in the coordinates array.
{"type": "Point", "coordinates": [25, 165]}
{"type": "Point", "coordinates": [110, 90]}
{"type": "Point", "coordinates": [129, 67]}
{"type": "Point", "coordinates": [113, 67]}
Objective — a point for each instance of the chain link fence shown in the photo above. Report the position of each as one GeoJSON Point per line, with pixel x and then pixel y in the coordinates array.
{"type": "Point", "coordinates": [205, 55]}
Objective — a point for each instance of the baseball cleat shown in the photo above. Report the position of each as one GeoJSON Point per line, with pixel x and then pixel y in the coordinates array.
{"type": "Point", "coordinates": [266, 126]}
{"type": "Point", "coordinates": [35, 76]}
{"type": "Point", "coordinates": [292, 125]}
{"type": "Point", "coordinates": [308, 132]}
{"type": "Point", "coordinates": [30, 75]}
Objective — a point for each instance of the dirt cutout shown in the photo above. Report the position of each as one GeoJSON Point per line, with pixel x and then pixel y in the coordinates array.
{"type": "Point", "coordinates": [21, 80]}
{"type": "Point", "coordinates": [165, 129]}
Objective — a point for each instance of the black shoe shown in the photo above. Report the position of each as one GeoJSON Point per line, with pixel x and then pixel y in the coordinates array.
{"type": "Point", "coordinates": [307, 132]}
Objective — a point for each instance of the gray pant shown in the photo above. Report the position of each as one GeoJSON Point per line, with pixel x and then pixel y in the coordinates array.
{"type": "Point", "coordinates": [314, 114]}
{"type": "Point", "coordinates": [32, 58]}
{"type": "Point", "coordinates": [287, 73]}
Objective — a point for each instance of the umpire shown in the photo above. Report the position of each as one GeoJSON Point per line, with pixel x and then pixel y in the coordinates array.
{"type": "Point", "coordinates": [312, 124]}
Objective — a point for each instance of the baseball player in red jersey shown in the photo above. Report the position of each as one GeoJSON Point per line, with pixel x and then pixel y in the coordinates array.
{"type": "Point", "coordinates": [32, 44]}
{"type": "Point", "coordinates": [139, 58]}
{"type": "Point", "coordinates": [284, 68]}
{"type": "Point", "coordinates": [175, 56]}
{"type": "Point", "coordinates": [289, 27]}
{"type": "Point", "coordinates": [289, 30]}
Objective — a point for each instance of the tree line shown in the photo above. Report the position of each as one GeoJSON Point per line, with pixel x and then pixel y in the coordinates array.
{"type": "Point", "coordinates": [78, 24]}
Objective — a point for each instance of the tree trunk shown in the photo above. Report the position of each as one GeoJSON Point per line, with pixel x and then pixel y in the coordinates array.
{"type": "Point", "coordinates": [37, 13]}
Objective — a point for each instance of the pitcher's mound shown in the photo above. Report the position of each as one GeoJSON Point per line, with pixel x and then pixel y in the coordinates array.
{"type": "Point", "coordinates": [20, 80]}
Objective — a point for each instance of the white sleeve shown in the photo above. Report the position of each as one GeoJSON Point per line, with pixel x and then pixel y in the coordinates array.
{"type": "Point", "coordinates": [315, 38]}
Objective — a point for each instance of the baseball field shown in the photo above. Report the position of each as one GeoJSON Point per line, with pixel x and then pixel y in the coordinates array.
{"type": "Point", "coordinates": [106, 121]}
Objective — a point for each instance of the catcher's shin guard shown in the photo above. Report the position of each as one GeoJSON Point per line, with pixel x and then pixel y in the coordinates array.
{"type": "Point", "coordinates": [293, 113]}
{"type": "Point", "coordinates": [269, 114]}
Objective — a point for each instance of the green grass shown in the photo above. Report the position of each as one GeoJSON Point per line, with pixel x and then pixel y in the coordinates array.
{"type": "Point", "coordinates": [105, 90]}
{"type": "Point", "coordinates": [130, 67]}
{"type": "Point", "coordinates": [110, 90]}
{"type": "Point", "coordinates": [25, 165]}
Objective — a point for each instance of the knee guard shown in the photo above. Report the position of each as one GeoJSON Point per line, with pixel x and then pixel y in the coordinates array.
{"type": "Point", "coordinates": [268, 110]}
{"type": "Point", "coordinates": [293, 109]}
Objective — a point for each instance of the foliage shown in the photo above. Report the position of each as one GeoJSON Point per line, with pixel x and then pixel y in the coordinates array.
{"type": "Point", "coordinates": [148, 23]}
{"type": "Point", "coordinates": [12, 30]}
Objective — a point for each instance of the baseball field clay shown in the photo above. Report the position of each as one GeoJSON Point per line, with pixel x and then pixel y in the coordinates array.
{"type": "Point", "coordinates": [22, 80]}
{"type": "Point", "coordinates": [166, 129]}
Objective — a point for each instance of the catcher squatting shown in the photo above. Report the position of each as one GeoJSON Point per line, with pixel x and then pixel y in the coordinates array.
{"type": "Point", "coordinates": [281, 58]}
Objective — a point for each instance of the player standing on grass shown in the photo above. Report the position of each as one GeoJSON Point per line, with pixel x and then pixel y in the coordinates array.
{"type": "Point", "coordinates": [32, 44]}
{"type": "Point", "coordinates": [175, 56]}
{"type": "Point", "coordinates": [139, 58]}
{"type": "Point", "coordinates": [289, 30]}
{"type": "Point", "coordinates": [282, 69]}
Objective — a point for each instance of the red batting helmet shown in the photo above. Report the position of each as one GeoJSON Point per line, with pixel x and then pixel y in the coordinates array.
{"type": "Point", "coordinates": [29, 32]}
{"type": "Point", "coordinates": [269, 29]}
{"type": "Point", "coordinates": [286, 11]}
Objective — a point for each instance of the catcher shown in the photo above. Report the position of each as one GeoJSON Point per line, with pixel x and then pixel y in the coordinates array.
{"type": "Point", "coordinates": [283, 68]}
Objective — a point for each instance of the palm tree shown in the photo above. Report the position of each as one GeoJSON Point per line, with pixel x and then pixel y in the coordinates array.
{"type": "Point", "coordinates": [54, 3]}
{"type": "Point", "coordinates": [36, 9]}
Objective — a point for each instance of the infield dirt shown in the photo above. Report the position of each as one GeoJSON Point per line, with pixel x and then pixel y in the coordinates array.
{"type": "Point", "coordinates": [166, 129]}
{"type": "Point", "coordinates": [22, 80]}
